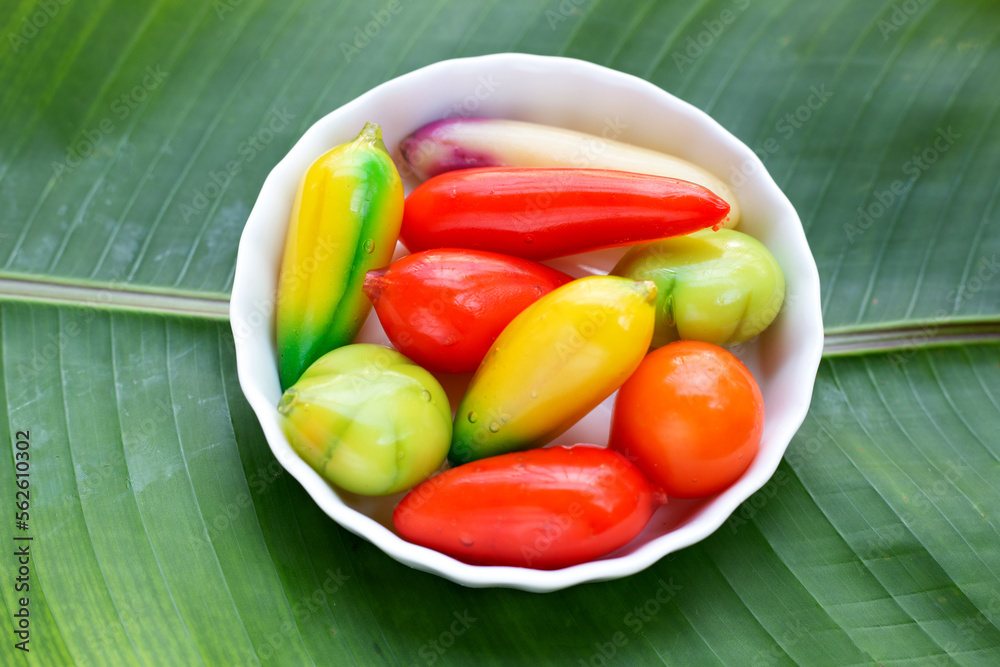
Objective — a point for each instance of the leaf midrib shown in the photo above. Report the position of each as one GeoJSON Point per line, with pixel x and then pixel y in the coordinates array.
{"type": "Point", "coordinates": [882, 337]}
{"type": "Point", "coordinates": [114, 296]}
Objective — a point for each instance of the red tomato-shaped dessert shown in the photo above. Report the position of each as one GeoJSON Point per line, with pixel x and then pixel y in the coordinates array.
{"type": "Point", "coordinates": [541, 508]}
{"type": "Point", "coordinates": [690, 417]}
{"type": "Point", "coordinates": [444, 308]}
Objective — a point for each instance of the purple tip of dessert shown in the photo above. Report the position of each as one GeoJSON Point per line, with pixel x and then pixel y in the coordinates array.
{"type": "Point", "coordinates": [433, 149]}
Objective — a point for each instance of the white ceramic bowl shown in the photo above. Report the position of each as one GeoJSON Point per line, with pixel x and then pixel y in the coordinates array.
{"type": "Point", "coordinates": [580, 96]}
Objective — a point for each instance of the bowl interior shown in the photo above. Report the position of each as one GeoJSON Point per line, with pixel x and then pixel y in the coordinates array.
{"type": "Point", "coordinates": [580, 96]}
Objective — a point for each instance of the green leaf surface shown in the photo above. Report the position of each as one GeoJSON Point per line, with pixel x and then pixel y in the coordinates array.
{"type": "Point", "coordinates": [136, 137]}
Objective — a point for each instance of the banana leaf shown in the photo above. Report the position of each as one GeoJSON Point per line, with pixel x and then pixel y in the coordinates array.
{"type": "Point", "coordinates": [135, 138]}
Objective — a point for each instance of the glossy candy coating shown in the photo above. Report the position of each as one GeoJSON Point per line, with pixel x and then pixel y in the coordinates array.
{"type": "Point", "coordinates": [443, 308]}
{"type": "Point", "coordinates": [720, 287]}
{"type": "Point", "coordinates": [544, 509]}
{"type": "Point", "coordinates": [554, 363]}
{"type": "Point", "coordinates": [464, 143]}
{"type": "Point", "coordinates": [691, 417]}
{"type": "Point", "coordinates": [345, 221]}
{"type": "Point", "coordinates": [368, 419]}
{"type": "Point", "coordinates": [539, 213]}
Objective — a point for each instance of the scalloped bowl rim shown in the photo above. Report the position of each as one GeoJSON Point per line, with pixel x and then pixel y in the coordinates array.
{"type": "Point", "coordinates": [251, 306]}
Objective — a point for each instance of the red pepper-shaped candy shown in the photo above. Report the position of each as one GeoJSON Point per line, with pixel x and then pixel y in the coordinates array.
{"type": "Point", "coordinates": [542, 508]}
{"type": "Point", "coordinates": [539, 213]}
{"type": "Point", "coordinates": [444, 308]}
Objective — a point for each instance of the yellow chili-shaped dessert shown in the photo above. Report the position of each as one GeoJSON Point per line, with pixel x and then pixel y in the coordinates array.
{"type": "Point", "coordinates": [554, 363]}
{"type": "Point", "coordinates": [345, 222]}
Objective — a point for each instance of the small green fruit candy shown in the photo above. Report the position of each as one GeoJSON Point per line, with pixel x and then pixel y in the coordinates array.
{"type": "Point", "coordinates": [721, 287]}
{"type": "Point", "coordinates": [368, 420]}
